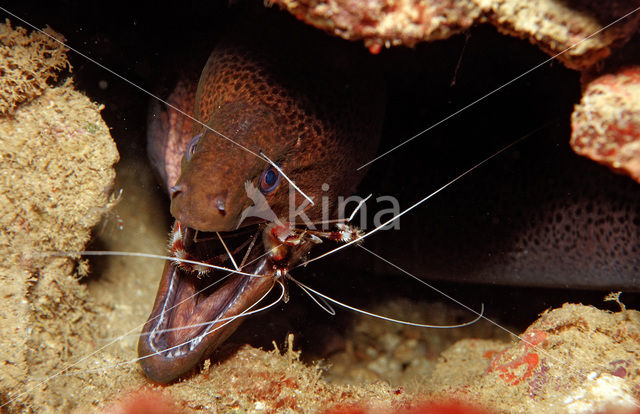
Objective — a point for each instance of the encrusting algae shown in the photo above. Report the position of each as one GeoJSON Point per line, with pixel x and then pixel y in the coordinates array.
{"type": "Point", "coordinates": [552, 25]}
{"type": "Point", "coordinates": [56, 172]}
{"type": "Point", "coordinates": [29, 64]}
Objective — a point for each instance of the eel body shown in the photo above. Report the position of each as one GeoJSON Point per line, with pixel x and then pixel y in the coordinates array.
{"type": "Point", "coordinates": [316, 112]}
{"type": "Point", "coordinates": [540, 216]}
{"type": "Point", "coordinates": [305, 102]}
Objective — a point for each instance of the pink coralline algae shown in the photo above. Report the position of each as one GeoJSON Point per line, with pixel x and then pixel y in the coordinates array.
{"type": "Point", "coordinates": [606, 123]}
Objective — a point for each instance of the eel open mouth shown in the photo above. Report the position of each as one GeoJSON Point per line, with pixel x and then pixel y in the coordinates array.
{"type": "Point", "coordinates": [188, 319]}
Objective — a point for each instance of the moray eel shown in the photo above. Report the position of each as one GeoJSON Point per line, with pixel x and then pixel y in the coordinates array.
{"type": "Point", "coordinates": [311, 104]}
{"type": "Point", "coordinates": [540, 216]}
{"type": "Point", "coordinates": [315, 109]}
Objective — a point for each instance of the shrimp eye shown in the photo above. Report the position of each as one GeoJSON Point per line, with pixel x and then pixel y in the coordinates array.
{"type": "Point", "coordinates": [193, 145]}
{"type": "Point", "coordinates": [269, 180]}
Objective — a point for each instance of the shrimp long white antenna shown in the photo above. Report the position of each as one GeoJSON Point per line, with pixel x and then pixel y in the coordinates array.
{"type": "Point", "coordinates": [523, 339]}
{"type": "Point", "coordinates": [430, 286]}
{"type": "Point", "coordinates": [135, 85]}
{"type": "Point", "coordinates": [147, 255]}
{"type": "Point", "coordinates": [358, 207]}
{"type": "Point", "coordinates": [499, 88]}
{"type": "Point", "coordinates": [249, 249]}
{"type": "Point", "coordinates": [227, 320]}
{"type": "Point", "coordinates": [274, 165]}
{"type": "Point", "coordinates": [418, 203]}
{"type": "Point", "coordinates": [385, 318]}
{"type": "Point", "coordinates": [320, 301]}
{"type": "Point", "coordinates": [227, 250]}
{"type": "Point", "coordinates": [343, 220]}
{"type": "Point", "coordinates": [134, 329]}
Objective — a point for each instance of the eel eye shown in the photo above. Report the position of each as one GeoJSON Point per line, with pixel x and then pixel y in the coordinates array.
{"type": "Point", "coordinates": [269, 180]}
{"type": "Point", "coordinates": [193, 145]}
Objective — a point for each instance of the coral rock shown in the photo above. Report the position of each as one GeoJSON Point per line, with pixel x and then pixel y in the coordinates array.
{"type": "Point", "coordinates": [56, 176]}
{"type": "Point", "coordinates": [575, 359]}
{"type": "Point", "coordinates": [553, 25]}
{"type": "Point", "coordinates": [606, 123]}
{"type": "Point", "coordinates": [28, 62]}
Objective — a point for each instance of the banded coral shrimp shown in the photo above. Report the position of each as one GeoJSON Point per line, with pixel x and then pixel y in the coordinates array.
{"type": "Point", "coordinates": [374, 176]}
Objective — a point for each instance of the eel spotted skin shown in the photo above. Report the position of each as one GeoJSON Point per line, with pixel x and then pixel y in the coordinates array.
{"type": "Point", "coordinates": [315, 109]}
{"type": "Point", "coordinates": [302, 99]}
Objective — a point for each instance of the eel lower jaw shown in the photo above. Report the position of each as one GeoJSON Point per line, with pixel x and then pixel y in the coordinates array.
{"type": "Point", "coordinates": [193, 315]}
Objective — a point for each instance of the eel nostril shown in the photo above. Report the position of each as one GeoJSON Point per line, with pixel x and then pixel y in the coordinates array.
{"type": "Point", "coordinates": [220, 205]}
{"type": "Point", "coordinates": [175, 190]}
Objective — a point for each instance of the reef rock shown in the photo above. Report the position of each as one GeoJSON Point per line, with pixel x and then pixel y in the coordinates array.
{"type": "Point", "coordinates": [583, 27]}
{"type": "Point", "coordinates": [56, 179]}
{"type": "Point", "coordinates": [606, 123]}
{"type": "Point", "coordinates": [574, 359]}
